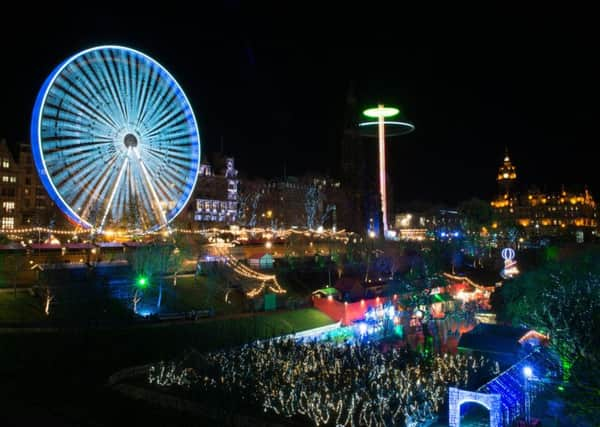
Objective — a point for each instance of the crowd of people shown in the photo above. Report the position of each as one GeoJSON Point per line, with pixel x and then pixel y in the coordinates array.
{"type": "Point", "coordinates": [349, 384]}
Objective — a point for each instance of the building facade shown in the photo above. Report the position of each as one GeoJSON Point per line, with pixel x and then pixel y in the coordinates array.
{"type": "Point", "coordinates": [307, 202]}
{"type": "Point", "coordinates": [23, 198]}
{"type": "Point", "coordinates": [217, 195]}
{"type": "Point", "coordinates": [542, 213]}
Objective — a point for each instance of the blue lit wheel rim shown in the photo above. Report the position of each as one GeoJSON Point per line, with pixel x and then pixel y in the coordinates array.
{"type": "Point", "coordinates": [115, 140]}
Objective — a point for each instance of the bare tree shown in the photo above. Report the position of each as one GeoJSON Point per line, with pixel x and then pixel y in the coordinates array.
{"type": "Point", "coordinates": [253, 209]}
{"type": "Point", "coordinates": [328, 209]}
{"type": "Point", "coordinates": [48, 300]}
{"type": "Point", "coordinates": [311, 205]}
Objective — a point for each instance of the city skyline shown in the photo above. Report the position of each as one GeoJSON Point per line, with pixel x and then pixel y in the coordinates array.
{"type": "Point", "coordinates": [274, 96]}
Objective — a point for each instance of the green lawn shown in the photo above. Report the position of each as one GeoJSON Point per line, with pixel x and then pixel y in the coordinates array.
{"type": "Point", "coordinates": [68, 368]}
{"type": "Point", "coordinates": [113, 349]}
{"type": "Point", "coordinates": [22, 308]}
{"type": "Point", "coordinates": [197, 294]}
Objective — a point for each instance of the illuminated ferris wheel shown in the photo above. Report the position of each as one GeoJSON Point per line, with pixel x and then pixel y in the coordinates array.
{"type": "Point", "coordinates": [115, 141]}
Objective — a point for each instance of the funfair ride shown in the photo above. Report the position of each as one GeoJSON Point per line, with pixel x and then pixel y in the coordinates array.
{"type": "Point", "coordinates": [115, 141]}
{"type": "Point", "coordinates": [378, 129]}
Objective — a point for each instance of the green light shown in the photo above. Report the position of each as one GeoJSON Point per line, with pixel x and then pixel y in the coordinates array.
{"type": "Point", "coordinates": [561, 388]}
{"type": "Point", "coordinates": [381, 112]}
{"type": "Point", "coordinates": [142, 282]}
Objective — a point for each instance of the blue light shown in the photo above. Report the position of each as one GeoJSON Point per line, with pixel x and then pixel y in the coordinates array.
{"type": "Point", "coordinates": [86, 110]}
{"type": "Point", "coordinates": [362, 328]}
{"type": "Point", "coordinates": [443, 234]}
{"type": "Point", "coordinates": [527, 371]}
{"type": "Point", "coordinates": [145, 313]}
{"type": "Point", "coordinates": [456, 234]}
{"type": "Point", "coordinates": [391, 312]}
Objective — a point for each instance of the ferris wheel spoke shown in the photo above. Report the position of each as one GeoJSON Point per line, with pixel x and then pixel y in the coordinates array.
{"type": "Point", "coordinates": [104, 78]}
{"type": "Point", "coordinates": [79, 83]}
{"type": "Point", "coordinates": [93, 81]}
{"type": "Point", "coordinates": [75, 165]}
{"type": "Point", "coordinates": [141, 94]}
{"type": "Point", "coordinates": [169, 174]}
{"type": "Point", "coordinates": [165, 105]}
{"type": "Point", "coordinates": [75, 180]}
{"type": "Point", "coordinates": [166, 168]}
{"type": "Point", "coordinates": [168, 153]}
{"type": "Point", "coordinates": [125, 79]}
{"type": "Point", "coordinates": [158, 89]}
{"type": "Point", "coordinates": [153, 193]}
{"type": "Point", "coordinates": [131, 83]}
{"type": "Point", "coordinates": [77, 90]}
{"type": "Point", "coordinates": [176, 140]}
{"type": "Point", "coordinates": [156, 101]}
{"type": "Point", "coordinates": [72, 92]}
{"type": "Point", "coordinates": [76, 117]}
{"type": "Point", "coordinates": [99, 187]}
{"type": "Point", "coordinates": [174, 171]}
{"type": "Point", "coordinates": [165, 120]}
{"type": "Point", "coordinates": [147, 203]}
{"type": "Point", "coordinates": [151, 87]}
{"type": "Point", "coordinates": [70, 125]}
{"type": "Point", "coordinates": [62, 101]}
{"type": "Point", "coordinates": [60, 151]}
{"type": "Point", "coordinates": [170, 125]}
{"type": "Point", "coordinates": [122, 82]}
{"type": "Point", "coordinates": [114, 190]}
{"type": "Point", "coordinates": [116, 83]}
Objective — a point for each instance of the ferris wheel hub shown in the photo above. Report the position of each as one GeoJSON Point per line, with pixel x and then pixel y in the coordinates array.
{"type": "Point", "coordinates": [130, 140]}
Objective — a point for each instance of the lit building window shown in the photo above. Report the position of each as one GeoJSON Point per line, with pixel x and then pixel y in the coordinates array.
{"type": "Point", "coordinates": [8, 207]}
{"type": "Point", "coordinates": [8, 222]}
{"type": "Point", "coordinates": [4, 178]}
{"type": "Point", "coordinates": [5, 163]}
{"type": "Point", "coordinates": [13, 179]}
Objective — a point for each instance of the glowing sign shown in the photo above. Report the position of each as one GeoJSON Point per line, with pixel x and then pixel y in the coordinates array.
{"type": "Point", "coordinates": [508, 254]}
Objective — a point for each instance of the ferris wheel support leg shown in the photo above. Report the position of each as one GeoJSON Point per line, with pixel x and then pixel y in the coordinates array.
{"type": "Point", "coordinates": [112, 194]}
{"type": "Point", "coordinates": [151, 187]}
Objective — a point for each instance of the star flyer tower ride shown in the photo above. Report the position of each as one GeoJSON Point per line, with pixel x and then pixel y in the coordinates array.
{"type": "Point", "coordinates": [115, 140]}
{"type": "Point", "coordinates": [378, 129]}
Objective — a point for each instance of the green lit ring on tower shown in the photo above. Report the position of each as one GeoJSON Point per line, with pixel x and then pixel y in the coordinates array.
{"type": "Point", "coordinates": [381, 112]}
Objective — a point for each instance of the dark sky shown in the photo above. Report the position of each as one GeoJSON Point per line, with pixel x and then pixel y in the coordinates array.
{"type": "Point", "coordinates": [271, 84]}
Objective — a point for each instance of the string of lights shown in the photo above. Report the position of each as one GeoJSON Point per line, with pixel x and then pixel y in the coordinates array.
{"type": "Point", "coordinates": [265, 233]}
{"type": "Point", "coordinates": [466, 279]}
{"type": "Point", "coordinates": [267, 280]}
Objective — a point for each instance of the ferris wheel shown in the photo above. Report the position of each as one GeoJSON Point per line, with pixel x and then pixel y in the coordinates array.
{"type": "Point", "coordinates": [115, 140]}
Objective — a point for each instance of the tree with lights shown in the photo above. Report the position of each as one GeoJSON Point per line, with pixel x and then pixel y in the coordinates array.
{"type": "Point", "coordinates": [311, 205]}
{"type": "Point", "coordinates": [148, 263]}
{"type": "Point", "coordinates": [562, 299]}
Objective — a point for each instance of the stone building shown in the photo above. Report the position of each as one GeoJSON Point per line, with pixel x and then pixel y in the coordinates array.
{"type": "Point", "coordinates": [542, 213]}
{"type": "Point", "coordinates": [23, 198]}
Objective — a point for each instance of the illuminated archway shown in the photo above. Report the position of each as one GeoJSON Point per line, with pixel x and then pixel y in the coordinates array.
{"type": "Point", "coordinates": [457, 397]}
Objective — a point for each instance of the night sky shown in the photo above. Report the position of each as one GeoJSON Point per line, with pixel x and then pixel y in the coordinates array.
{"type": "Point", "coordinates": [270, 86]}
